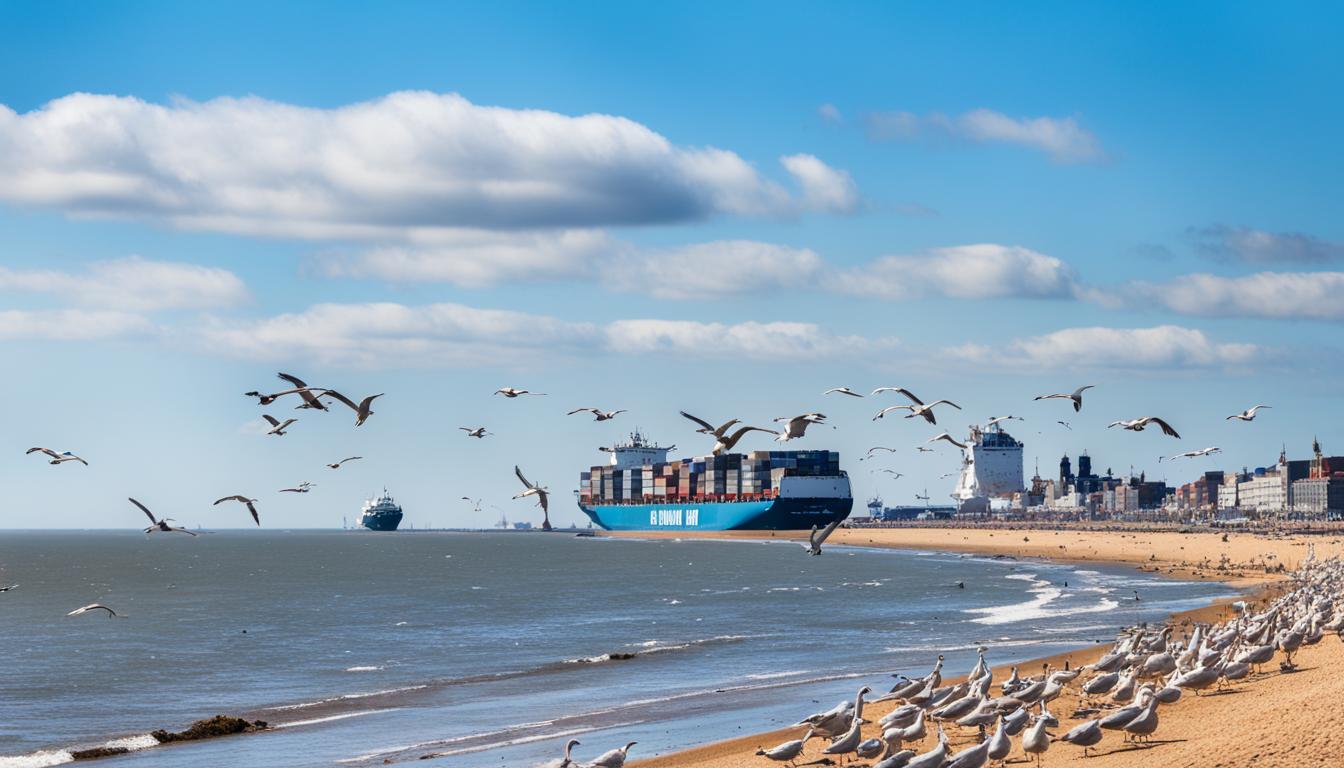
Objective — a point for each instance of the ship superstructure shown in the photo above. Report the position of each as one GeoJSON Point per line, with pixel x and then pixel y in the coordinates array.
{"type": "Point", "coordinates": [381, 513]}
{"type": "Point", "coordinates": [640, 489]}
{"type": "Point", "coordinates": [991, 468]}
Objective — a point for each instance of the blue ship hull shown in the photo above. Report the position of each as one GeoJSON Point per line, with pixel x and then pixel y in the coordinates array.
{"type": "Point", "coordinates": [777, 514]}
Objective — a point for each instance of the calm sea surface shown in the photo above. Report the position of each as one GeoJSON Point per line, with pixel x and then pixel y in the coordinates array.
{"type": "Point", "coordinates": [491, 648]}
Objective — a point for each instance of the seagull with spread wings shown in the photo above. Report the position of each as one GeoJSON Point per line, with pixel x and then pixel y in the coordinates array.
{"type": "Point", "coordinates": [598, 413]}
{"type": "Point", "coordinates": [947, 437]}
{"type": "Point", "coordinates": [245, 501]}
{"type": "Point", "coordinates": [709, 429]}
{"type": "Point", "coordinates": [843, 391]}
{"type": "Point", "coordinates": [160, 525]}
{"type": "Point", "coordinates": [796, 426]}
{"type": "Point", "coordinates": [1137, 425]}
{"type": "Point", "coordinates": [511, 393]}
{"type": "Point", "coordinates": [277, 427]}
{"type": "Point", "coordinates": [1246, 415]}
{"type": "Point", "coordinates": [304, 391]}
{"type": "Point", "coordinates": [57, 458]}
{"type": "Point", "coordinates": [303, 487]}
{"type": "Point", "coordinates": [94, 607]}
{"type": "Point", "coordinates": [1192, 454]}
{"type": "Point", "coordinates": [542, 494]}
{"type": "Point", "coordinates": [337, 465]}
{"type": "Point", "coordinates": [362, 411]}
{"type": "Point", "coordinates": [478, 432]}
{"type": "Point", "coordinates": [726, 443]}
{"type": "Point", "coordinates": [918, 407]}
{"type": "Point", "coordinates": [818, 536]}
{"type": "Point", "coordinates": [1076, 396]}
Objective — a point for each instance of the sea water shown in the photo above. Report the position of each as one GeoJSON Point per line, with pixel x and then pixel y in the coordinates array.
{"type": "Point", "coordinates": [494, 648]}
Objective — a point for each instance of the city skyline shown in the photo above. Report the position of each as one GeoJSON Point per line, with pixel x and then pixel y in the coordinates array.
{"type": "Point", "coordinates": [438, 201]}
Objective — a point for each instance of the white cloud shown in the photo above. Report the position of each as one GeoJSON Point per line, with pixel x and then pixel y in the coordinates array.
{"type": "Point", "coordinates": [1159, 347]}
{"type": "Point", "coordinates": [1063, 139]}
{"type": "Point", "coordinates": [373, 169]}
{"type": "Point", "coordinates": [1305, 295]}
{"type": "Point", "coordinates": [713, 270]}
{"type": "Point", "coordinates": [452, 335]}
{"type": "Point", "coordinates": [1256, 246]}
{"type": "Point", "coordinates": [133, 283]}
{"type": "Point", "coordinates": [824, 188]}
{"type": "Point", "coordinates": [69, 325]}
{"type": "Point", "coordinates": [779, 342]}
{"type": "Point", "coordinates": [830, 113]}
{"type": "Point", "coordinates": [981, 271]}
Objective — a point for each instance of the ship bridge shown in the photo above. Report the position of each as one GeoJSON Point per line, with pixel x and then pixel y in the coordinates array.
{"type": "Point", "coordinates": [637, 452]}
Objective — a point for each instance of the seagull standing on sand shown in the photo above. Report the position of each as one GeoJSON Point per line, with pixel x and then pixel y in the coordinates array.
{"type": "Point", "coordinates": [598, 414]}
{"type": "Point", "coordinates": [850, 740]}
{"type": "Point", "coordinates": [338, 464]}
{"type": "Point", "coordinates": [818, 536]}
{"type": "Point", "coordinates": [569, 747]}
{"type": "Point", "coordinates": [362, 411]}
{"type": "Point", "coordinates": [93, 607]}
{"type": "Point", "coordinates": [789, 751]}
{"type": "Point", "coordinates": [477, 432]}
{"type": "Point", "coordinates": [511, 393]}
{"type": "Point", "coordinates": [843, 391]}
{"type": "Point", "coordinates": [1246, 415]}
{"type": "Point", "coordinates": [157, 524]}
{"type": "Point", "coordinates": [1137, 425]}
{"type": "Point", "coordinates": [1076, 396]}
{"type": "Point", "coordinates": [277, 427]}
{"type": "Point", "coordinates": [57, 458]}
{"type": "Point", "coordinates": [242, 500]}
{"type": "Point", "coordinates": [796, 426]}
{"type": "Point", "coordinates": [542, 494]}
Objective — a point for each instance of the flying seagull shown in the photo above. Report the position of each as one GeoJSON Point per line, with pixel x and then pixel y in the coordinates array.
{"type": "Point", "coordinates": [1076, 396]}
{"type": "Point", "coordinates": [57, 458]}
{"type": "Point", "coordinates": [1137, 425]}
{"type": "Point", "coordinates": [542, 494]}
{"type": "Point", "coordinates": [93, 607]}
{"type": "Point", "coordinates": [843, 391]}
{"type": "Point", "coordinates": [996, 419]}
{"type": "Point", "coordinates": [878, 448]}
{"type": "Point", "coordinates": [726, 442]}
{"type": "Point", "coordinates": [475, 431]}
{"type": "Point", "coordinates": [922, 449]}
{"type": "Point", "coordinates": [893, 473]}
{"type": "Point", "coordinates": [303, 487]}
{"type": "Point", "coordinates": [277, 427]}
{"type": "Point", "coordinates": [598, 414]}
{"type": "Point", "coordinates": [1065, 424]}
{"type": "Point", "coordinates": [918, 409]}
{"type": "Point", "coordinates": [796, 426]}
{"type": "Point", "coordinates": [815, 539]}
{"type": "Point", "coordinates": [338, 464]}
{"type": "Point", "coordinates": [160, 525]}
{"type": "Point", "coordinates": [511, 393]}
{"type": "Point", "coordinates": [947, 437]}
{"type": "Point", "coordinates": [709, 429]}
{"type": "Point", "coordinates": [362, 411]}
{"type": "Point", "coordinates": [1193, 454]}
{"type": "Point", "coordinates": [242, 500]}
{"type": "Point", "coordinates": [306, 392]}
{"type": "Point", "coordinates": [1246, 415]}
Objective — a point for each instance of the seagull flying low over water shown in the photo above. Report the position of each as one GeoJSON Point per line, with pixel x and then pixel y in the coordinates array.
{"type": "Point", "coordinates": [542, 494]}
{"type": "Point", "coordinates": [242, 500]}
{"type": "Point", "coordinates": [1137, 425]}
{"type": "Point", "coordinates": [818, 536]}
{"type": "Point", "coordinates": [1193, 454]}
{"type": "Point", "coordinates": [918, 409]}
{"type": "Point", "coordinates": [93, 607]}
{"type": "Point", "coordinates": [511, 393]}
{"type": "Point", "coordinates": [947, 437]}
{"type": "Point", "coordinates": [362, 411]}
{"type": "Point", "coordinates": [303, 487]}
{"type": "Point", "coordinates": [475, 431]}
{"type": "Point", "coordinates": [277, 427]}
{"type": "Point", "coordinates": [1076, 396]}
{"type": "Point", "coordinates": [338, 464]}
{"type": "Point", "coordinates": [1246, 415]}
{"type": "Point", "coordinates": [796, 426]}
{"type": "Point", "coordinates": [843, 391]}
{"type": "Point", "coordinates": [157, 524]}
{"type": "Point", "coordinates": [57, 458]}
{"type": "Point", "coordinates": [598, 414]}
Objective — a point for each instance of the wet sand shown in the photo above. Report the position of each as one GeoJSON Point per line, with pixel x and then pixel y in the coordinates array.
{"type": "Point", "coordinates": [1269, 719]}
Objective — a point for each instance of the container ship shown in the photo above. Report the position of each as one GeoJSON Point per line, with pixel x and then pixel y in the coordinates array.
{"type": "Point", "coordinates": [991, 470]}
{"type": "Point", "coordinates": [640, 490]}
{"type": "Point", "coordinates": [381, 514]}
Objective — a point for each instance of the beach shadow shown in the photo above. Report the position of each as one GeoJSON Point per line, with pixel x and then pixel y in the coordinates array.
{"type": "Point", "coordinates": [1139, 746]}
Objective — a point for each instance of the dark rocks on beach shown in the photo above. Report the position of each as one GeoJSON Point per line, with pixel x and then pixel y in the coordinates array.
{"type": "Point", "coordinates": [97, 752]}
{"type": "Point", "coordinates": [219, 725]}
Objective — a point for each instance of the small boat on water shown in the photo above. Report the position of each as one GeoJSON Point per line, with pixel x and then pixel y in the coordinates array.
{"type": "Point", "coordinates": [381, 514]}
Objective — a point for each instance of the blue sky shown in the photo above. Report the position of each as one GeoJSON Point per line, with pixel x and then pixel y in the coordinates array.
{"type": "Point", "coordinates": [720, 208]}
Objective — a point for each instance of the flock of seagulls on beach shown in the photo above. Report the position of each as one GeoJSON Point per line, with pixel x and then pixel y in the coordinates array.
{"type": "Point", "coordinates": [1123, 692]}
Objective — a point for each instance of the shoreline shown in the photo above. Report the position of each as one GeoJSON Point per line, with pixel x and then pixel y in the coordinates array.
{"type": "Point", "coordinates": [1250, 563]}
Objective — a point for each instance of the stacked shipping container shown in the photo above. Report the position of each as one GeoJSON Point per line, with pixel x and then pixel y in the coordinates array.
{"type": "Point", "coordinates": [734, 477]}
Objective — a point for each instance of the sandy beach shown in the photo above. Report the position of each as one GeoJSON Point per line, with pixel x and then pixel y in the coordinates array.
{"type": "Point", "coordinates": [1269, 719]}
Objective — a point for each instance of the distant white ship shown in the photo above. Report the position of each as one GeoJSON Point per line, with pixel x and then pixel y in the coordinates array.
{"type": "Point", "coordinates": [991, 468]}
